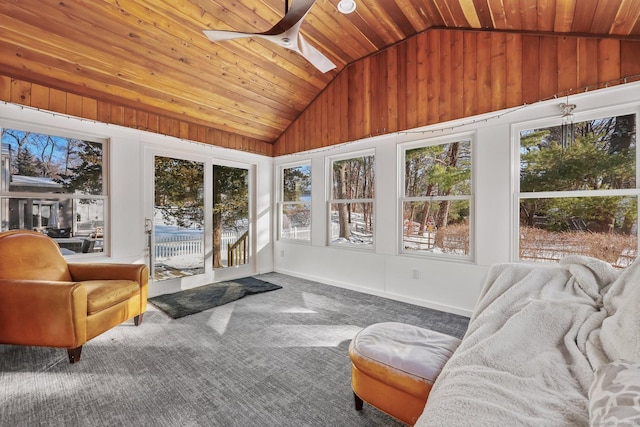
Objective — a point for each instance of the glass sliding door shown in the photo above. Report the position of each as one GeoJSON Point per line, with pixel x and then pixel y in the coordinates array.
{"type": "Point", "coordinates": [178, 218]}
{"type": "Point", "coordinates": [230, 216]}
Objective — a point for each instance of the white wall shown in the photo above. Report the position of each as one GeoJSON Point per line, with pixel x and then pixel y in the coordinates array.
{"type": "Point", "coordinates": [127, 181]}
{"type": "Point", "coordinates": [443, 284]}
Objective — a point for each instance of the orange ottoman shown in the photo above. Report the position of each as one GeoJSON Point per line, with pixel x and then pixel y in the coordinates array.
{"type": "Point", "coordinates": [394, 365]}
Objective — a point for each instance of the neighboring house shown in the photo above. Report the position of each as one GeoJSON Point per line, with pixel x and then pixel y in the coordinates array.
{"type": "Point", "coordinates": [29, 213]}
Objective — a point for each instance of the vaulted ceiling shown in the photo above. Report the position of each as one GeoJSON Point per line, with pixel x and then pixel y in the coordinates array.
{"type": "Point", "coordinates": [153, 56]}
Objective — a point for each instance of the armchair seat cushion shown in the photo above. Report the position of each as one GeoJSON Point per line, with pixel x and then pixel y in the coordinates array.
{"type": "Point", "coordinates": [102, 294]}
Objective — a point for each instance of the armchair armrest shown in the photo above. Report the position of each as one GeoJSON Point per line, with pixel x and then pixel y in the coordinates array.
{"type": "Point", "coordinates": [43, 313]}
{"type": "Point", "coordinates": [109, 271]}
{"type": "Point", "coordinates": [105, 271]}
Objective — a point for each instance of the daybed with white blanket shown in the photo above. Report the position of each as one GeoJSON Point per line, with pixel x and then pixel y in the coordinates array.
{"type": "Point", "coordinates": [546, 346]}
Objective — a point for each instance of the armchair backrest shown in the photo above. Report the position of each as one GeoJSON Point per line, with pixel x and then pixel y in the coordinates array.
{"type": "Point", "coordinates": [29, 255]}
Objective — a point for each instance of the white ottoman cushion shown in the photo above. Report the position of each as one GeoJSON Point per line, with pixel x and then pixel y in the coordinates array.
{"type": "Point", "coordinates": [416, 351]}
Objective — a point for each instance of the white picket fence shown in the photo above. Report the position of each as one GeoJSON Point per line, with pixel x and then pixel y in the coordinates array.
{"type": "Point", "coordinates": [296, 233]}
{"type": "Point", "coordinates": [174, 245]}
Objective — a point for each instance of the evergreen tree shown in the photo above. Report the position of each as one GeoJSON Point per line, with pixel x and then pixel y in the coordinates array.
{"type": "Point", "coordinates": [85, 176]}
{"type": "Point", "coordinates": [296, 183]}
{"type": "Point", "coordinates": [179, 191]}
{"type": "Point", "coordinates": [26, 164]}
{"type": "Point", "coordinates": [593, 155]}
{"type": "Point", "coordinates": [230, 204]}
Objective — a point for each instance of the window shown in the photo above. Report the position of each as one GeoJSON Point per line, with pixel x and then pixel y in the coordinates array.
{"type": "Point", "coordinates": [436, 205]}
{"type": "Point", "coordinates": [578, 191]}
{"type": "Point", "coordinates": [54, 185]}
{"type": "Point", "coordinates": [351, 205]}
{"type": "Point", "coordinates": [295, 208]}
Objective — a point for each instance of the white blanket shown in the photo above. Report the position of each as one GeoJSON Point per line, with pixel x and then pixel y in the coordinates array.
{"type": "Point", "coordinates": [532, 345]}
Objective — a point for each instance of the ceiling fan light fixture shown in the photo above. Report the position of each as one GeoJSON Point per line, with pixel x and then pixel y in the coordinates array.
{"type": "Point", "coordinates": [346, 6]}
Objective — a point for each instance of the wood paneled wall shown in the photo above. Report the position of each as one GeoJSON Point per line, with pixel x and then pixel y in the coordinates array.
{"type": "Point", "coordinates": [437, 76]}
{"type": "Point", "coordinates": [41, 97]}
{"type": "Point", "coordinates": [442, 75]}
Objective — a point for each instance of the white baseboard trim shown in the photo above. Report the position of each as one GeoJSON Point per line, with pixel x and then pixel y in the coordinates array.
{"type": "Point", "coordinates": [402, 298]}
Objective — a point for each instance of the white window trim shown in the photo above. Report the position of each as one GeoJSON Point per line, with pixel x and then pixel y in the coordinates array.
{"type": "Point", "coordinates": [402, 149]}
{"type": "Point", "coordinates": [281, 202]}
{"type": "Point", "coordinates": [578, 116]}
{"type": "Point", "coordinates": [105, 197]}
{"type": "Point", "coordinates": [329, 160]}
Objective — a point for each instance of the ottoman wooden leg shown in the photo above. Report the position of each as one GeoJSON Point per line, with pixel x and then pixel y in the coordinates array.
{"type": "Point", "coordinates": [357, 401]}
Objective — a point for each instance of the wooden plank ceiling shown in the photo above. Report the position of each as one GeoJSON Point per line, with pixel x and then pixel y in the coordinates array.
{"type": "Point", "coordinates": [152, 55]}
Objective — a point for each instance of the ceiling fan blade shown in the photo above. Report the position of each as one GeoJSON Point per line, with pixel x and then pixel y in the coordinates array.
{"type": "Point", "coordinates": [314, 56]}
{"type": "Point", "coordinates": [293, 17]}
{"type": "Point", "coordinates": [285, 33]}
{"type": "Point", "coordinates": [220, 35]}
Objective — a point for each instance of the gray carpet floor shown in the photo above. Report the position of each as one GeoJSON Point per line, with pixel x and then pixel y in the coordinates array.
{"type": "Point", "coordinates": [273, 359]}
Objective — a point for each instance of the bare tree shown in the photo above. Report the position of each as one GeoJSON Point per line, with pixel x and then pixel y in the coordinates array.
{"type": "Point", "coordinates": [343, 209]}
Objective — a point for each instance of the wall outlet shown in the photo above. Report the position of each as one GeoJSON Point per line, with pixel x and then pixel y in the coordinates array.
{"type": "Point", "coordinates": [282, 253]}
{"type": "Point", "coordinates": [415, 274]}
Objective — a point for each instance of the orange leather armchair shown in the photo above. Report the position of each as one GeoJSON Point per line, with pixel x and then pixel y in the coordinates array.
{"type": "Point", "coordinates": [44, 301]}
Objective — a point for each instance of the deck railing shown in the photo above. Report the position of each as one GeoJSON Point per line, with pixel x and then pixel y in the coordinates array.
{"type": "Point", "coordinates": [237, 252]}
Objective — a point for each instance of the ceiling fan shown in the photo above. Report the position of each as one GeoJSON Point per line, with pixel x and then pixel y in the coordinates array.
{"type": "Point", "coordinates": [285, 33]}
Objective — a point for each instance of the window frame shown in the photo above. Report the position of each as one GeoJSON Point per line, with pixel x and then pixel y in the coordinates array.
{"type": "Point", "coordinates": [553, 121]}
{"type": "Point", "coordinates": [282, 203]}
{"type": "Point", "coordinates": [53, 197]}
{"type": "Point", "coordinates": [403, 198]}
{"type": "Point", "coordinates": [329, 162]}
